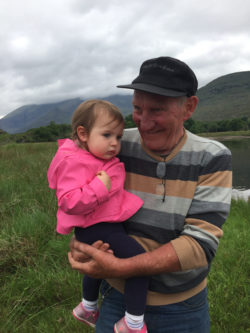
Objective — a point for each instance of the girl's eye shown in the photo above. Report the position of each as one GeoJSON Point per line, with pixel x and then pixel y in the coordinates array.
{"type": "Point", "coordinates": [119, 137]}
{"type": "Point", "coordinates": [106, 135]}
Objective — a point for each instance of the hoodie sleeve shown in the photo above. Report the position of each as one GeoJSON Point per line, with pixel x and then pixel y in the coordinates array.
{"type": "Point", "coordinates": [78, 190]}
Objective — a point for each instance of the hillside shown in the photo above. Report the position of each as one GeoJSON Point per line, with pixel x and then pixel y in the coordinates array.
{"type": "Point", "coordinates": [33, 116]}
{"type": "Point", "coordinates": [226, 97]}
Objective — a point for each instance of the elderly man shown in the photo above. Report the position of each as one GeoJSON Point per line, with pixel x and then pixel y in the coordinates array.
{"type": "Point", "coordinates": [185, 182]}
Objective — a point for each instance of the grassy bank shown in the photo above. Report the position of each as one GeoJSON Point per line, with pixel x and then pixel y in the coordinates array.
{"type": "Point", "coordinates": [227, 135]}
{"type": "Point", "coordinates": [38, 289]}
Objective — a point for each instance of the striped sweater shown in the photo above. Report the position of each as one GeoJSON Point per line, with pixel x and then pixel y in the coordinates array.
{"type": "Point", "coordinates": [198, 183]}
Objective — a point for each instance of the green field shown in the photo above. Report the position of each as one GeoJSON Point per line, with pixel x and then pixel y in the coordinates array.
{"type": "Point", "coordinates": [38, 289]}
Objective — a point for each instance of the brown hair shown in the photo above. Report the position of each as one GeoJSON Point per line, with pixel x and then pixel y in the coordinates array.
{"type": "Point", "coordinates": [87, 112]}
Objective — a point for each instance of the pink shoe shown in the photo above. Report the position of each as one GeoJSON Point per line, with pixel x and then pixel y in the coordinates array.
{"type": "Point", "coordinates": [122, 327]}
{"type": "Point", "coordinates": [87, 317]}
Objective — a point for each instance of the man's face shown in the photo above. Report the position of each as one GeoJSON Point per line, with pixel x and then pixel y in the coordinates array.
{"type": "Point", "coordinates": [159, 120]}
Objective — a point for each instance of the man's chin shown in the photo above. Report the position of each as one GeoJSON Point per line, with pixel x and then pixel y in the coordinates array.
{"type": "Point", "coordinates": [152, 146]}
{"type": "Point", "coordinates": [155, 147]}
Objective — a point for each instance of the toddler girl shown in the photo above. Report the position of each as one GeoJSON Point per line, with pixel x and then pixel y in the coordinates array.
{"type": "Point", "coordinates": [89, 179]}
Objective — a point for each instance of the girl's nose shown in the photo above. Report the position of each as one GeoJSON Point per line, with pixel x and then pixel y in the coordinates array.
{"type": "Point", "coordinates": [114, 142]}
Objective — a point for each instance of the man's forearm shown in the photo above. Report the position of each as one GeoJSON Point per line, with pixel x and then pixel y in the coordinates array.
{"type": "Point", "coordinates": [103, 264]}
{"type": "Point", "coordinates": [162, 260]}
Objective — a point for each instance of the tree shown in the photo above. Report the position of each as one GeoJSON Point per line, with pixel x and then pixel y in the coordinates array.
{"type": "Point", "coordinates": [129, 123]}
{"type": "Point", "coordinates": [237, 124]}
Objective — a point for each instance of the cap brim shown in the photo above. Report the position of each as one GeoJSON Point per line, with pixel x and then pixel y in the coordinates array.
{"type": "Point", "coordinates": [153, 89]}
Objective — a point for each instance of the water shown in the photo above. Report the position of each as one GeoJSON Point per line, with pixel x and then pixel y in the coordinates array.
{"type": "Point", "coordinates": [240, 149]}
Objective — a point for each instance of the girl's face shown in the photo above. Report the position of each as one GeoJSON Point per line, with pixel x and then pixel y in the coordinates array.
{"type": "Point", "coordinates": [104, 139]}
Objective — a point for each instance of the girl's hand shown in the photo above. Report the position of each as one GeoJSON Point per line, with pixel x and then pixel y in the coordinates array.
{"type": "Point", "coordinates": [104, 177]}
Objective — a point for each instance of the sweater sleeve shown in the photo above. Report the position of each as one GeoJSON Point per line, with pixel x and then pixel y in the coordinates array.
{"type": "Point", "coordinates": [199, 239]}
{"type": "Point", "coordinates": [79, 191]}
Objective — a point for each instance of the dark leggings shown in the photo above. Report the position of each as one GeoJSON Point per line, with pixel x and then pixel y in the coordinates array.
{"type": "Point", "coordinates": [123, 247]}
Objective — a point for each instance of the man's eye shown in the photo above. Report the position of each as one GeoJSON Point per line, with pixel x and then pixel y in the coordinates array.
{"type": "Point", "coordinates": [137, 109]}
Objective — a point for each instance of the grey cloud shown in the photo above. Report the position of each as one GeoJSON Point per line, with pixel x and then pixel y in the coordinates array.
{"type": "Point", "coordinates": [56, 50]}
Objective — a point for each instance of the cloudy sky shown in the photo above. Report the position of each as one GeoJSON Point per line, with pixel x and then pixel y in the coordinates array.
{"type": "Point", "coordinates": [53, 50]}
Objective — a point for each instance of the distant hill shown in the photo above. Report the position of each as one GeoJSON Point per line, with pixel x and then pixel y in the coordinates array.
{"type": "Point", "coordinates": [226, 97]}
{"type": "Point", "coordinates": [33, 116]}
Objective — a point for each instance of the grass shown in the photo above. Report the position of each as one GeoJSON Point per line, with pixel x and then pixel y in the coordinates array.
{"type": "Point", "coordinates": [38, 289]}
{"type": "Point", "coordinates": [229, 277]}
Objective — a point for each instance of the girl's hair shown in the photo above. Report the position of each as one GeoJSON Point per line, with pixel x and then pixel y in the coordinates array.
{"type": "Point", "coordinates": [87, 112]}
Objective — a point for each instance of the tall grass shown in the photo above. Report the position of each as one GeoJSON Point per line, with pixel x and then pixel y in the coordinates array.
{"type": "Point", "coordinates": [38, 289]}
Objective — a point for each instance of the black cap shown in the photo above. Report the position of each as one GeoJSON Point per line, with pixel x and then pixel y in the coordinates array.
{"type": "Point", "coordinates": [165, 76]}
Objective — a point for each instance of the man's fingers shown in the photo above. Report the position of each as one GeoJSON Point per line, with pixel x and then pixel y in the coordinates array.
{"type": "Point", "coordinates": [71, 260]}
{"type": "Point", "coordinates": [85, 267]}
{"type": "Point", "coordinates": [71, 243]}
{"type": "Point", "coordinates": [98, 244]}
{"type": "Point", "coordinates": [76, 265]}
{"type": "Point", "coordinates": [76, 245]}
{"type": "Point", "coordinates": [88, 250]}
{"type": "Point", "coordinates": [105, 248]}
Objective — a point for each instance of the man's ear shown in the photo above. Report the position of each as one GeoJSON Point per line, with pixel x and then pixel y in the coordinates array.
{"type": "Point", "coordinates": [190, 105]}
{"type": "Point", "coordinates": [82, 133]}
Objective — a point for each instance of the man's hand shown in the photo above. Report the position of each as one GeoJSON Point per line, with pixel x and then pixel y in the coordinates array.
{"type": "Point", "coordinates": [95, 260]}
{"type": "Point", "coordinates": [83, 257]}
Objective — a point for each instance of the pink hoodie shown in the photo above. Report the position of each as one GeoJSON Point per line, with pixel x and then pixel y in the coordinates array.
{"type": "Point", "coordinates": [83, 199]}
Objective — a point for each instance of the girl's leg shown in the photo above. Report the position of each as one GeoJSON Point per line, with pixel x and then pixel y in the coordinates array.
{"type": "Point", "coordinates": [90, 286]}
{"type": "Point", "coordinates": [124, 247]}
{"type": "Point", "coordinates": [135, 288]}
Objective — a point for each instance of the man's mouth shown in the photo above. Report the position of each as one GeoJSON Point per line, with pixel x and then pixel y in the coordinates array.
{"type": "Point", "coordinates": [152, 132]}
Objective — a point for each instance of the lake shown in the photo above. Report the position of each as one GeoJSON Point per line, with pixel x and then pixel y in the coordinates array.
{"type": "Point", "coordinates": [240, 149]}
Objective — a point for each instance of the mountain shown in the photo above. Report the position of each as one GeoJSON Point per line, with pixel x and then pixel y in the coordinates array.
{"type": "Point", "coordinates": [226, 97]}
{"type": "Point", "coordinates": [33, 116]}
